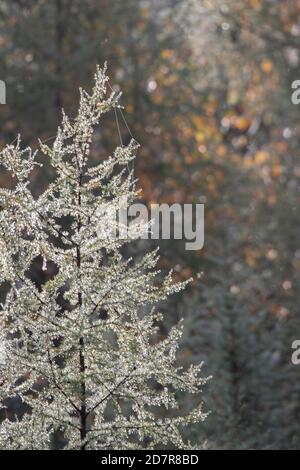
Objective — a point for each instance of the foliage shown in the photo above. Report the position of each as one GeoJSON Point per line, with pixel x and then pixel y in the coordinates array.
{"type": "Point", "coordinates": [94, 369]}
{"type": "Point", "coordinates": [208, 92]}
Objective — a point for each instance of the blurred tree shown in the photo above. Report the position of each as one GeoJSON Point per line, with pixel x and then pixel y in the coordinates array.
{"type": "Point", "coordinates": [248, 57]}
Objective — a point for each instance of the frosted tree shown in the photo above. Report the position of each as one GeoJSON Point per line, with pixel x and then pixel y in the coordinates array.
{"type": "Point", "coordinates": [92, 366]}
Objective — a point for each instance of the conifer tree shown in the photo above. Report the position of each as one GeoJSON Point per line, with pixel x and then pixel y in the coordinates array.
{"type": "Point", "coordinates": [83, 351]}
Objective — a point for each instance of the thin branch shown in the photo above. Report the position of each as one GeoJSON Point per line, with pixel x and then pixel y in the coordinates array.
{"type": "Point", "coordinates": [111, 392]}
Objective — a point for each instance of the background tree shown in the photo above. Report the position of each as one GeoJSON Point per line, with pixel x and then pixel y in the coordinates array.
{"type": "Point", "coordinates": [248, 59]}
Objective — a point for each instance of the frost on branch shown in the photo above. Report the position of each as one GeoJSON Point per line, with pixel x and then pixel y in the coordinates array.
{"type": "Point", "coordinates": [94, 370]}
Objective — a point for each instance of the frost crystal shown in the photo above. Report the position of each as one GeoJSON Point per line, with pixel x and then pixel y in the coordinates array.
{"type": "Point", "coordinates": [82, 351]}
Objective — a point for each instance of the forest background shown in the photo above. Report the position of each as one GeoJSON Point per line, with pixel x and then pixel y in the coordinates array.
{"type": "Point", "coordinates": [207, 88]}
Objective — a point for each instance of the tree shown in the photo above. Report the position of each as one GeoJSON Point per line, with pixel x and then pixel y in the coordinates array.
{"type": "Point", "coordinates": [83, 350]}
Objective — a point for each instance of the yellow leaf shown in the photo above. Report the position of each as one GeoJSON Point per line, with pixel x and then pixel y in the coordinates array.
{"type": "Point", "coordinates": [266, 66]}
{"type": "Point", "coordinates": [166, 54]}
{"type": "Point", "coordinates": [261, 157]}
{"type": "Point", "coordinates": [242, 123]}
{"type": "Point", "coordinates": [221, 150]}
{"type": "Point", "coordinates": [276, 170]}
